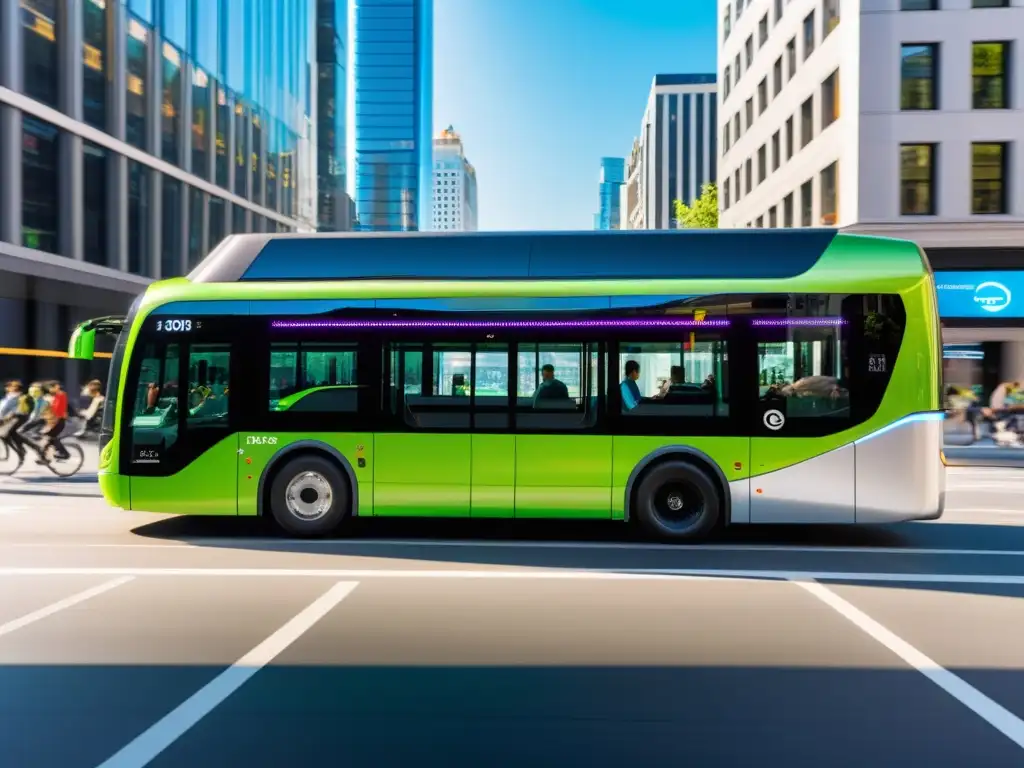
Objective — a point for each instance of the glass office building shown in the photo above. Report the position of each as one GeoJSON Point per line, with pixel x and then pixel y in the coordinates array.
{"type": "Point", "coordinates": [393, 114]}
{"type": "Point", "coordinates": [613, 176]}
{"type": "Point", "coordinates": [336, 210]}
{"type": "Point", "coordinates": [134, 136]}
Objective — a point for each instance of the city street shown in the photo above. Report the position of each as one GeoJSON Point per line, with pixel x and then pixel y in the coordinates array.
{"type": "Point", "coordinates": [130, 639]}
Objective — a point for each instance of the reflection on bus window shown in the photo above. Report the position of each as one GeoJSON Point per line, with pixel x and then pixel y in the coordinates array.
{"type": "Point", "coordinates": [155, 412]}
{"type": "Point", "coordinates": [688, 378]}
{"type": "Point", "coordinates": [314, 378]}
{"type": "Point", "coordinates": [208, 392]}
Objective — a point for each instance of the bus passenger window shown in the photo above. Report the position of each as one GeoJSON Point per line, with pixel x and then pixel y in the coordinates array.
{"type": "Point", "coordinates": [309, 377]}
{"type": "Point", "coordinates": [556, 386]}
{"type": "Point", "coordinates": [155, 410]}
{"type": "Point", "coordinates": [676, 378]}
{"type": "Point", "coordinates": [803, 372]}
{"type": "Point", "coordinates": [208, 377]}
{"type": "Point", "coordinates": [430, 385]}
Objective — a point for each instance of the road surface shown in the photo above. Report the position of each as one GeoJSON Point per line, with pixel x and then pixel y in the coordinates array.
{"type": "Point", "coordinates": [130, 640]}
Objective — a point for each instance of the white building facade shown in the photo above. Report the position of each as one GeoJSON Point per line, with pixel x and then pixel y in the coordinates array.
{"type": "Point", "coordinates": [898, 117]}
{"type": "Point", "coordinates": [455, 197]}
{"type": "Point", "coordinates": [676, 152]}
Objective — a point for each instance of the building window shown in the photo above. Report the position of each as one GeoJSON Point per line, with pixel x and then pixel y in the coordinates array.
{"type": "Point", "coordinates": [777, 76]}
{"type": "Point", "coordinates": [40, 198]}
{"type": "Point", "coordinates": [749, 168]}
{"type": "Point", "coordinates": [988, 178]}
{"type": "Point", "coordinates": [789, 138]}
{"type": "Point", "coordinates": [727, 22]}
{"type": "Point", "coordinates": [737, 129]}
{"type": "Point", "coordinates": [197, 200]}
{"type": "Point", "coordinates": [989, 67]}
{"type": "Point", "coordinates": [791, 58]}
{"type": "Point", "coordinates": [762, 31]}
{"type": "Point", "coordinates": [919, 75]}
{"type": "Point", "coordinates": [200, 122]}
{"type": "Point", "coordinates": [808, 35]}
{"type": "Point", "coordinates": [725, 195]}
{"type": "Point", "coordinates": [749, 49]}
{"type": "Point", "coordinates": [806, 122]}
{"type": "Point", "coordinates": [736, 70]}
{"type": "Point", "coordinates": [256, 156]}
{"type": "Point", "coordinates": [787, 211]}
{"type": "Point", "coordinates": [94, 49]}
{"type": "Point", "coordinates": [828, 186]}
{"type": "Point", "coordinates": [829, 17]}
{"type": "Point", "coordinates": [917, 179]}
{"type": "Point", "coordinates": [776, 151]}
{"type": "Point", "coordinates": [222, 124]}
{"type": "Point", "coordinates": [918, 5]}
{"type": "Point", "coordinates": [990, 3]}
{"type": "Point", "coordinates": [830, 100]}
{"type": "Point", "coordinates": [242, 160]}
{"type": "Point", "coordinates": [725, 139]}
{"type": "Point", "coordinates": [778, 11]}
{"type": "Point", "coordinates": [170, 231]}
{"type": "Point", "coordinates": [773, 217]}
{"type": "Point", "coordinates": [736, 185]}
{"type": "Point", "coordinates": [762, 96]}
{"type": "Point", "coordinates": [40, 36]}
{"type": "Point", "coordinates": [762, 163]}
{"type": "Point", "coordinates": [727, 85]}
{"type": "Point", "coordinates": [170, 109]}
{"type": "Point", "coordinates": [139, 261]}
{"type": "Point", "coordinates": [760, 222]}
{"type": "Point", "coordinates": [217, 221]}
{"type": "Point", "coordinates": [137, 80]}
{"type": "Point", "coordinates": [94, 201]}
{"type": "Point", "coordinates": [806, 203]}
{"type": "Point", "coordinates": [749, 108]}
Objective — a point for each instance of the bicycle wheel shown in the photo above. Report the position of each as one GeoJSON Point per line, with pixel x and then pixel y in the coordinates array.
{"type": "Point", "coordinates": [10, 460]}
{"type": "Point", "coordinates": [69, 466]}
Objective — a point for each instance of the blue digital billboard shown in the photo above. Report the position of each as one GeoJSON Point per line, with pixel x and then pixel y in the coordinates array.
{"type": "Point", "coordinates": [981, 295]}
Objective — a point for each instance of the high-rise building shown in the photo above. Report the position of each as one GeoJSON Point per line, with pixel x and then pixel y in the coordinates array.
{"type": "Point", "coordinates": [676, 152]}
{"type": "Point", "coordinates": [135, 135]}
{"type": "Point", "coordinates": [867, 121]}
{"type": "Point", "coordinates": [455, 205]}
{"type": "Point", "coordinates": [613, 176]}
{"type": "Point", "coordinates": [335, 208]}
{"type": "Point", "coordinates": [393, 122]}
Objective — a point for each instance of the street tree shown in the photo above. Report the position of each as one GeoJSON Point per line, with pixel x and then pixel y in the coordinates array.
{"type": "Point", "coordinates": [703, 214]}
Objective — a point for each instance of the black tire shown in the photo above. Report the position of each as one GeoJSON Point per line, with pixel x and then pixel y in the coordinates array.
{"type": "Point", "coordinates": [319, 472]}
{"type": "Point", "coordinates": [69, 466]}
{"type": "Point", "coordinates": [678, 482]}
{"type": "Point", "coordinates": [10, 460]}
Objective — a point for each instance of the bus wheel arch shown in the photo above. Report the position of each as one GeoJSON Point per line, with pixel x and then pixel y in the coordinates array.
{"type": "Point", "coordinates": [321, 463]}
{"type": "Point", "coordinates": [688, 460]}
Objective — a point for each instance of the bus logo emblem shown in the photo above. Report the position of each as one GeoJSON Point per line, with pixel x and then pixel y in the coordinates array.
{"type": "Point", "coordinates": [774, 420]}
{"type": "Point", "coordinates": [992, 296]}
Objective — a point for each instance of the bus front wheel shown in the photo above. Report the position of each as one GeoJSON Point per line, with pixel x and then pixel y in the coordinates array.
{"type": "Point", "coordinates": [677, 500]}
{"type": "Point", "coordinates": [310, 496]}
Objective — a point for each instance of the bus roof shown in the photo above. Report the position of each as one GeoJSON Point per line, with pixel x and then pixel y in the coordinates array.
{"type": "Point", "coordinates": [525, 256]}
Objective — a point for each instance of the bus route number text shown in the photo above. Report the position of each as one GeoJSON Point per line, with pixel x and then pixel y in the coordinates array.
{"type": "Point", "coordinates": [175, 326]}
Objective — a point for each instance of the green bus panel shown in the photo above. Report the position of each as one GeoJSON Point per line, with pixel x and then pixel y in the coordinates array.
{"type": "Point", "coordinates": [256, 456]}
{"type": "Point", "coordinates": [422, 475]}
{"type": "Point", "coordinates": [564, 476]}
{"type": "Point", "coordinates": [731, 454]}
{"type": "Point", "coordinates": [116, 489]}
{"type": "Point", "coordinates": [207, 486]}
{"type": "Point", "coordinates": [494, 476]}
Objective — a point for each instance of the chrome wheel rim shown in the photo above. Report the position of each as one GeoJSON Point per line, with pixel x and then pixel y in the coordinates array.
{"type": "Point", "coordinates": [309, 496]}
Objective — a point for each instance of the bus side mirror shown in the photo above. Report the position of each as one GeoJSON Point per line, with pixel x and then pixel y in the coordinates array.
{"type": "Point", "coordinates": [83, 344]}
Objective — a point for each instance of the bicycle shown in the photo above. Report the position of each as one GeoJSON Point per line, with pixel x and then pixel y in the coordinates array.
{"type": "Point", "coordinates": [11, 460]}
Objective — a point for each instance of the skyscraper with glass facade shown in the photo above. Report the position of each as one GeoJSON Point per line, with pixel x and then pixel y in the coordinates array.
{"type": "Point", "coordinates": [135, 135]}
{"type": "Point", "coordinates": [336, 210]}
{"type": "Point", "coordinates": [613, 176]}
{"type": "Point", "coordinates": [393, 114]}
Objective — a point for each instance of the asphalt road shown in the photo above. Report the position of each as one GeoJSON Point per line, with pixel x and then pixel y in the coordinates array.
{"type": "Point", "coordinates": [130, 640]}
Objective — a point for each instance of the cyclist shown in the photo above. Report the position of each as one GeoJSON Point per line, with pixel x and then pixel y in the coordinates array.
{"type": "Point", "coordinates": [15, 417]}
{"type": "Point", "coordinates": [93, 414]}
{"type": "Point", "coordinates": [56, 420]}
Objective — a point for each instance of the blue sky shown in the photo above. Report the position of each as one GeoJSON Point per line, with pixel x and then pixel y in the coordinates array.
{"type": "Point", "coordinates": [542, 89]}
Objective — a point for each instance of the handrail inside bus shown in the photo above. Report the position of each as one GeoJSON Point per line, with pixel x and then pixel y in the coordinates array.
{"type": "Point", "coordinates": [82, 345]}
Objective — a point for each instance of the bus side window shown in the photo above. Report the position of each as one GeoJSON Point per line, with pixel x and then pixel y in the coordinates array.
{"type": "Point", "coordinates": [154, 421]}
{"type": "Point", "coordinates": [209, 397]}
{"type": "Point", "coordinates": [556, 386]}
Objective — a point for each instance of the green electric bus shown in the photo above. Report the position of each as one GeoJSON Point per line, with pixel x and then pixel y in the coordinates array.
{"type": "Point", "coordinates": [681, 379]}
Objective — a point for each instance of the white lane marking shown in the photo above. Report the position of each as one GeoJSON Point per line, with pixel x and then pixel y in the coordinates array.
{"type": "Point", "coordinates": [231, 543]}
{"type": "Point", "coordinates": [60, 605]}
{"type": "Point", "coordinates": [994, 714]}
{"type": "Point", "coordinates": [538, 574]}
{"type": "Point", "coordinates": [159, 736]}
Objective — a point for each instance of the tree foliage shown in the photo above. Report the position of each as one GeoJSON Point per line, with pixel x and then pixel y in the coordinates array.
{"type": "Point", "coordinates": [703, 214]}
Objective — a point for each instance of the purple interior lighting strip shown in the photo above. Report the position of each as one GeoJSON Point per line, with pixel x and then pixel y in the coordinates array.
{"type": "Point", "coordinates": [789, 322]}
{"type": "Point", "coordinates": [501, 324]}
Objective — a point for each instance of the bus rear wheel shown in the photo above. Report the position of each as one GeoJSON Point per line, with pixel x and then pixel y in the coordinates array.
{"type": "Point", "coordinates": [677, 500]}
{"type": "Point", "coordinates": [310, 496]}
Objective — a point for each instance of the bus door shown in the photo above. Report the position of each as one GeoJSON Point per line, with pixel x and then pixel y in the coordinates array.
{"type": "Point", "coordinates": [180, 426]}
{"type": "Point", "coordinates": [797, 476]}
